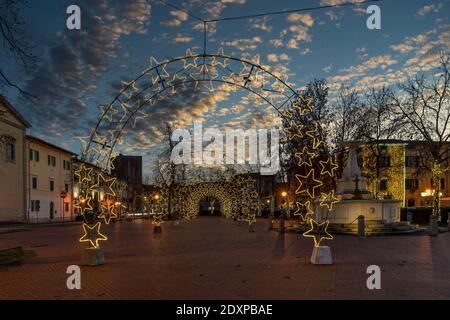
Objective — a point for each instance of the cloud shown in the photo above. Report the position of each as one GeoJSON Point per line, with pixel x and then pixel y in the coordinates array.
{"type": "Point", "coordinates": [260, 24]}
{"type": "Point", "coordinates": [298, 32]}
{"type": "Point", "coordinates": [179, 38]}
{"type": "Point", "coordinates": [244, 44]}
{"type": "Point", "coordinates": [337, 2]}
{"type": "Point", "coordinates": [429, 9]}
{"type": "Point", "coordinates": [180, 16]}
{"type": "Point", "coordinates": [233, 1]}
{"type": "Point", "coordinates": [272, 57]}
{"type": "Point", "coordinates": [402, 48]}
{"type": "Point", "coordinates": [292, 44]}
{"type": "Point", "coordinates": [332, 15]}
{"type": "Point", "coordinates": [65, 82]}
{"type": "Point", "coordinates": [276, 42]}
{"type": "Point", "coordinates": [304, 18]}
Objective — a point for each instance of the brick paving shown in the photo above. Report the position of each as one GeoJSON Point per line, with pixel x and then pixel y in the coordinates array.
{"type": "Point", "coordinates": [212, 258]}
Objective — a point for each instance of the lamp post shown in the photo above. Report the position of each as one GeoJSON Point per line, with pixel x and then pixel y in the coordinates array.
{"type": "Point", "coordinates": [281, 228]}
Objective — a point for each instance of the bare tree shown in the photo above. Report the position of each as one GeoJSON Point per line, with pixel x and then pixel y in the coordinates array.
{"type": "Point", "coordinates": [15, 43]}
{"type": "Point", "coordinates": [424, 105]}
{"type": "Point", "coordinates": [347, 121]}
{"type": "Point", "coordinates": [376, 125]}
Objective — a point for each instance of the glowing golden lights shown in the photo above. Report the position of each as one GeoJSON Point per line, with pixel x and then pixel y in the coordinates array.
{"type": "Point", "coordinates": [93, 235]}
{"type": "Point", "coordinates": [318, 231]}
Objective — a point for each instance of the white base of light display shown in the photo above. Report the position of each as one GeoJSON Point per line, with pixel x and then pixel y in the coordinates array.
{"type": "Point", "coordinates": [321, 255]}
{"type": "Point", "coordinates": [93, 257]}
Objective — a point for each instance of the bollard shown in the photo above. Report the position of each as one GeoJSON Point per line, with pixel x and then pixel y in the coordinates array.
{"type": "Point", "coordinates": [157, 229]}
{"type": "Point", "coordinates": [434, 229]}
{"type": "Point", "coordinates": [281, 228]}
{"type": "Point", "coordinates": [251, 227]}
{"type": "Point", "coordinates": [270, 220]}
{"type": "Point", "coordinates": [409, 217]}
{"type": "Point", "coordinates": [361, 226]}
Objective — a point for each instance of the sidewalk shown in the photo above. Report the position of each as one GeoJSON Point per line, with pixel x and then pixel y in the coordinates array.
{"type": "Point", "coordinates": [25, 226]}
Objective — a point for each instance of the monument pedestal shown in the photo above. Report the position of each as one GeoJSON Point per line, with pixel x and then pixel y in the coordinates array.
{"type": "Point", "coordinates": [93, 257]}
{"type": "Point", "coordinates": [321, 255]}
{"type": "Point", "coordinates": [434, 229]}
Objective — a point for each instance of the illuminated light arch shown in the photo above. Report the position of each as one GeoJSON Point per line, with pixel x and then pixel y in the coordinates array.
{"type": "Point", "coordinates": [196, 193]}
{"type": "Point", "coordinates": [171, 75]}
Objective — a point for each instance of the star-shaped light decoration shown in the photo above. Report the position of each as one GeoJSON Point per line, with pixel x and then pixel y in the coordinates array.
{"type": "Point", "coordinates": [157, 220]}
{"type": "Point", "coordinates": [84, 173]}
{"type": "Point", "coordinates": [318, 231]}
{"type": "Point", "coordinates": [314, 135]}
{"type": "Point", "coordinates": [303, 105]}
{"type": "Point", "coordinates": [106, 184]}
{"type": "Point", "coordinates": [251, 218]}
{"type": "Point", "coordinates": [83, 203]}
{"type": "Point", "coordinates": [220, 59]}
{"type": "Point", "coordinates": [293, 130]}
{"type": "Point", "coordinates": [108, 212]}
{"type": "Point", "coordinates": [304, 210]}
{"type": "Point", "coordinates": [328, 200]}
{"type": "Point", "coordinates": [189, 56]}
{"type": "Point", "coordinates": [93, 235]}
{"type": "Point", "coordinates": [328, 167]}
{"type": "Point", "coordinates": [305, 157]}
{"type": "Point", "coordinates": [307, 184]}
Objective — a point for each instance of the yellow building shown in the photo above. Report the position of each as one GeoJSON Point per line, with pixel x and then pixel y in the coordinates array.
{"type": "Point", "coordinates": [404, 172]}
{"type": "Point", "coordinates": [12, 163]}
{"type": "Point", "coordinates": [49, 183]}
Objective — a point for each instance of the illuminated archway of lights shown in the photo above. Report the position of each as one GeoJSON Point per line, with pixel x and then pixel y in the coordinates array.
{"type": "Point", "coordinates": [139, 98]}
{"type": "Point", "coordinates": [238, 198]}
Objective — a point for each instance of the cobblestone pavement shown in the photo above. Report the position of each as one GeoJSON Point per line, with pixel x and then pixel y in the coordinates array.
{"type": "Point", "coordinates": [212, 258]}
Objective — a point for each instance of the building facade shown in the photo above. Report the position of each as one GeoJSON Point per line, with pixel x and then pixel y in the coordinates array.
{"type": "Point", "coordinates": [108, 190]}
{"type": "Point", "coordinates": [49, 185]}
{"type": "Point", "coordinates": [12, 163]}
{"type": "Point", "coordinates": [129, 169]}
{"type": "Point", "coordinates": [404, 172]}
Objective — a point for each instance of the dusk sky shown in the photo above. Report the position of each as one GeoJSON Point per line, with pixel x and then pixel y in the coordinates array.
{"type": "Point", "coordinates": [80, 70]}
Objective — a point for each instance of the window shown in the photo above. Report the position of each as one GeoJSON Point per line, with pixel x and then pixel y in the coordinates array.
{"type": "Point", "coordinates": [442, 183]}
{"type": "Point", "coordinates": [66, 165]}
{"type": "Point", "coordinates": [411, 184]}
{"type": "Point", "coordinates": [384, 161]}
{"type": "Point", "coordinates": [34, 182]}
{"type": "Point", "coordinates": [411, 203]}
{"type": "Point", "coordinates": [10, 151]}
{"type": "Point", "coordinates": [35, 205]}
{"type": "Point", "coordinates": [51, 161]}
{"type": "Point", "coordinates": [66, 187]}
{"type": "Point", "coordinates": [383, 185]}
{"type": "Point", "coordinates": [52, 185]}
{"type": "Point", "coordinates": [66, 206]}
{"type": "Point", "coordinates": [34, 155]}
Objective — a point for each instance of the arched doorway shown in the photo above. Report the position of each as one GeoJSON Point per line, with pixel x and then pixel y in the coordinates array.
{"type": "Point", "coordinates": [209, 206]}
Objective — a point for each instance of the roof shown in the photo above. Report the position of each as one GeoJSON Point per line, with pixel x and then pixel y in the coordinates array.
{"type": "Point", "coordinates": [16, 113]}
{"type": "Point", "coordinates": [36, 139]}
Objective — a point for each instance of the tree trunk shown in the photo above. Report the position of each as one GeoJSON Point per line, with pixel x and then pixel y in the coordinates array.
{"type": "Point", "coordinates": [436, 172]}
